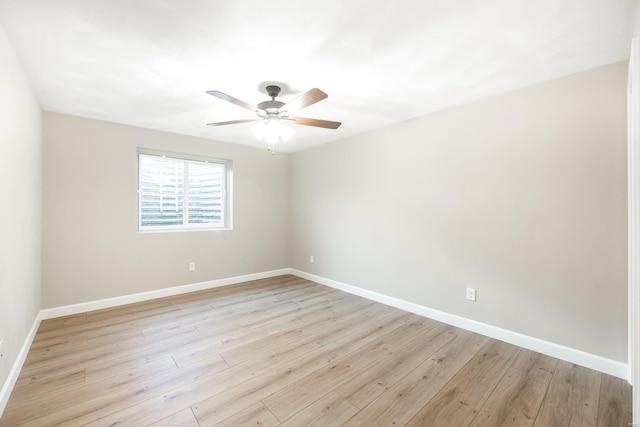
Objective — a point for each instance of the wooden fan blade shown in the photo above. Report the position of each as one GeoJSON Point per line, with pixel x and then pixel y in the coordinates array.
{"type": "Point", "coordinates": [308, 98]}
{"type": "Point", "coordinates": [233, 122]}
{"type": "Point", "coordinates": [315, 122]}
{"type": "Point", "coordinates": [232, 100]}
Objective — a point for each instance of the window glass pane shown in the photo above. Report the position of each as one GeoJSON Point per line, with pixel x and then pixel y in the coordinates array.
{"type": "Point", "coordinates": [183, 192]}
{"type": "Point", "coordinates": [161, 191]}
{"type": "Point", "coordinates": [206, 196]}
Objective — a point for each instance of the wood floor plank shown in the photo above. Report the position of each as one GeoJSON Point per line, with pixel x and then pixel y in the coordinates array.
{"type": "Point", "coordinates": [268, 319]}
{"type": "Point", "coordinates": [163, 404]}
{"type": "Point", "coordinates": [254, 415]}
{"type": "Point", "coordinates": [228, 403]}
{"type": "Point", "coordinates": [131, 367]}
{"type": "Point", "coordinates": [532, 362]}
{"type": "Point", "coordinates": [299, 353]}
{"type": "Point", "coordinates": [459, 401]}
{"type": "Point", "coordinates": [401, 402]}
{"type": "Point", "coordinates": [515, 401]}
{"type": "Point", "coordinates": [43, 349]}
{"type": "Point", "coordinates": [297, 396]}
{"type": "Point", "coordinates": [32, 390]}
{"type": "Point", "coordinates": [184, 418]}
{"type": "Point", "coordinates": [223, 405]}
{"type": "Point", "coordinates": [48, 403]}
{"type": "Point", "coordinates": [76, 353]}
{"type": "Point", "coordinates": [290, 338]}
{"type": "Point", "coordinates": [236, 312]}
{"type": "Point", "coordinates": [614, 408]}
{"type": "Point", "coordinates": [376, 379]}
{"type": "Point", "coordinates": [112, 356]}
{"type": "Point", "coordinates": [138, 354]}
{"type": "Point", "coordinates": [234, 340]}
{"type": "Point", "coordinates": [330, 410]}
{"type": "Point", "coordinates": [99, 399]}
{"type": "Point", "coordinates": [342, 327]}
{"type": "Point", "coordinates": [572, 398]}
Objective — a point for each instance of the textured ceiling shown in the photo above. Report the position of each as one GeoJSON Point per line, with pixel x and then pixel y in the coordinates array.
{"type": "Point", "coordinates": [148, 63]}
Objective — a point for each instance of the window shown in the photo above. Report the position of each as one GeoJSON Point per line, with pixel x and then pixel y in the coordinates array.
{"type": "Point", "coordinates": [182, 192]}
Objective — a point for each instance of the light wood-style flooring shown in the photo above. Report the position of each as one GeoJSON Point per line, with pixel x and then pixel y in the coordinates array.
{"type": "Point", "coordinates": [289, 352]}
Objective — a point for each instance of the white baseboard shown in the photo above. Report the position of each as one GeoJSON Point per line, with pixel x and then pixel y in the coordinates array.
{"type": "Point", "coordinates": [67, 310]}
{"type": "Point", "coordinates": [7, 387]}
{"type": "Point", "coordinates": [579, 357]}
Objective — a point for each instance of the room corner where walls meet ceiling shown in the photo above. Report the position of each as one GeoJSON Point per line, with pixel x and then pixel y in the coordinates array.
{"type": "Point", "coordinates": [149, 63]}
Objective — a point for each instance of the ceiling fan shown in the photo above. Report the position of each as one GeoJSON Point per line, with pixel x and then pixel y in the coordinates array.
{"type": "Point", "coordinates": [272, 112]}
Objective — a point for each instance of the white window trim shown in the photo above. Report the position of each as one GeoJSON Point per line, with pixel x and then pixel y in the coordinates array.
{"type": "Point", "coordinates": [226, 224]}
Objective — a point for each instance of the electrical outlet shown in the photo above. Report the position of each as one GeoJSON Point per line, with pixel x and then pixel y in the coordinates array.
{"type": "Point", "coordinates": [471, 294]}
{"type": "Point", "coordinates": [192, 266]}
{"type": "Point", "coordinates": [311, 259]}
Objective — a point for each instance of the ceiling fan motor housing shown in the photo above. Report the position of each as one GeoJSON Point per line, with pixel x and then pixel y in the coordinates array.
{"type": "Point", "coordinates": [272, 108]}
{"type": "Point", "coordinates": [273, 90]}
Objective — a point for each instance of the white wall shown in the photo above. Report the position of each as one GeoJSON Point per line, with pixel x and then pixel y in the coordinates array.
{"type": "Point", "coordinates": [521, 196]}
{"type": "Point", "coordinates": [20, 192]}
{"type": "Point", "coordinates": [91, 248]}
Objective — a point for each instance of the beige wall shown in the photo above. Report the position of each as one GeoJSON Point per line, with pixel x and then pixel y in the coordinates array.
{"type": "Point", "coordinates": [521, 196]}
{"type": "Point", "coordinates": [91, 249]}
{"type": "Point", "coordinates": [636, 18]}
{"type": "Point", "coordinates": [20, 158]}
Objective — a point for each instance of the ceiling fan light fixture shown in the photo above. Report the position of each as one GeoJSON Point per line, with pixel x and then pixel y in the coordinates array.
{"type": "Point", "coordinates": [271, 113]}
{"type": "Point", "coordinates": [272, 131]}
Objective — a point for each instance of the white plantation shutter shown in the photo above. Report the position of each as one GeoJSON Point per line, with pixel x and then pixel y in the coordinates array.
{"type": "Point", "coordinates": [161, 191]}
{"type": "Point", "coordinates": [176, 193]}
{"type": "Point", "coordinates": [206, 193]}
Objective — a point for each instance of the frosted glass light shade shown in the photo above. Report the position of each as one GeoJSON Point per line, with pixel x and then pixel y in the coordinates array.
{"type": "Point", "coordinates": [272, 131]}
